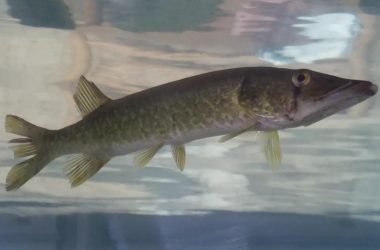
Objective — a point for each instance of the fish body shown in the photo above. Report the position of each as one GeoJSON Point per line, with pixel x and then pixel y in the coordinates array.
{"type": "Point", "coordinates": [173, 113]}
{"type": "Point", "coordinates": [227, 102]}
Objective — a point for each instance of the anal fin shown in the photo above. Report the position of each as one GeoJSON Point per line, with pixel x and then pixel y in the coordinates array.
{"type": "Point", "coordinates": [88, 97]}
{"type": "Point", "coordinates": [179, 155]}
{"type": "Point", "coordinates": [83, 167]}
{"type": "Point", "coordinates": [144, 157]}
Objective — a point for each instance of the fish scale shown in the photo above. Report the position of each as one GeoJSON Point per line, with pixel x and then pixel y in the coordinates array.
{"type": "Point", "coordinates": [227, 102]}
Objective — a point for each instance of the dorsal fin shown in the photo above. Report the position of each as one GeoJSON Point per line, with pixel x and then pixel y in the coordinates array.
{"type": "Point", "coordinates": [88, 97]}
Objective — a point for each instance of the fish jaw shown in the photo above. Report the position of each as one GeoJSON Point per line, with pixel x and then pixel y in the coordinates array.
{"type": "Point", "coordinates": [337, 99]}
{"type": "Point", "coordinates": [287, 98]}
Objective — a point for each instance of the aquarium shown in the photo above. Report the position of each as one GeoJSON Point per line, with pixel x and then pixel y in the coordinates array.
{"type": "Point", "coordinates": [324, 195]}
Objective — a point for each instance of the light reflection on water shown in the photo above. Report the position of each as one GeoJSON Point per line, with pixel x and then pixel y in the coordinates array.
{"type": "Point", "coordinates": [324, 195]}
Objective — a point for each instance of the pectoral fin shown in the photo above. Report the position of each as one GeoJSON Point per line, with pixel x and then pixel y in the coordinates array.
{"type": "Point", "coordinates": [179, 155]}
{"type": "Point", "coordinates": [270, 144]}
{"type": "Point", "coordinates": [145, 156]}
{"type": "Point", "coordinates": [83, 167]}
{"type": "Point", "coordinates": [233, 135]}
{"type": "Point", "coordinates": [228, 137]}
{"type": "Point", "coordinates": [88, 97]}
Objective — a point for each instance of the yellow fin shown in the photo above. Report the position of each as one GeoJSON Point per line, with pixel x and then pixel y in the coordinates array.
{"type": "Point", "coordinates": [270, 144]}
{"type": "Point", "coordinates": [145, 156]}
{"type": "Point", "coordinates": [232, 135]}
{"type": "Point", "coordinates": [18, 126]}
{"type": "Point", "coordinates": [88, 97]}
{"type": "Point", "coordinates": [23, 171]}
{"type": "Point", "coordinates": [23, 150]}
{"type": "Point", "coordinates": [179, 155]}
{"type": "Point", "coordinates": [84, 166]}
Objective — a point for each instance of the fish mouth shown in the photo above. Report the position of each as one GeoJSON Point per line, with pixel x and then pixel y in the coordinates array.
{"type": "Point", "coordinates": [365, 87]}
{"type": "Point", "coordinates": [336, 100]}
{"type": "Point", "coordinates": [360, 87]}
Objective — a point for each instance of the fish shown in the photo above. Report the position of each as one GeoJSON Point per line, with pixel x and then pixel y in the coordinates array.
{"type": "Point", "coordinates": [226, 103]}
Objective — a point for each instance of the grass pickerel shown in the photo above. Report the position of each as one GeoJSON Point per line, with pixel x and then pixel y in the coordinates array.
{"type": "Point", "coordinates": [226, 102]}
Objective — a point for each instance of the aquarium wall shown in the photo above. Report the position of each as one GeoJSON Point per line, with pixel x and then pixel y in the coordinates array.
{"type": "Point", "coordinates": [323, 196]}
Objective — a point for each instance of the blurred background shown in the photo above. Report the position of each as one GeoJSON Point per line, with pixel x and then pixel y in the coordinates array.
{"type": "Point", "coordinates": [324, 196]}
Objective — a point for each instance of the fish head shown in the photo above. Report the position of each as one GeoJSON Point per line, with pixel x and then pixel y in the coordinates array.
{"type": "Point", "coordinates": [291, 98]}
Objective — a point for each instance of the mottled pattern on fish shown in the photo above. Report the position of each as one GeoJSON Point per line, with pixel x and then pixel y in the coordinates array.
{"type": "Point", "coordinates": [167, 114]}
{"type": "Point", "coordinates": [227, 102]}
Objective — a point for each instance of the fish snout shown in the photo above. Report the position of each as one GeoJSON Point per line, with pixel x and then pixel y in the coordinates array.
{"type": "Point", "coordinates": [366, 87]}
{"type": "Point", "coordinates": [373, 88]}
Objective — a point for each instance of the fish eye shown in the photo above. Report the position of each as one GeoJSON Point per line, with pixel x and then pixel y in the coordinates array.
{"type": "Point", "coordinates": [301, 79]}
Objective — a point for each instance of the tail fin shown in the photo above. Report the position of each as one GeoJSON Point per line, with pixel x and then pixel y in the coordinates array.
{"type": "Point", "coordinates": [32, 145]}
